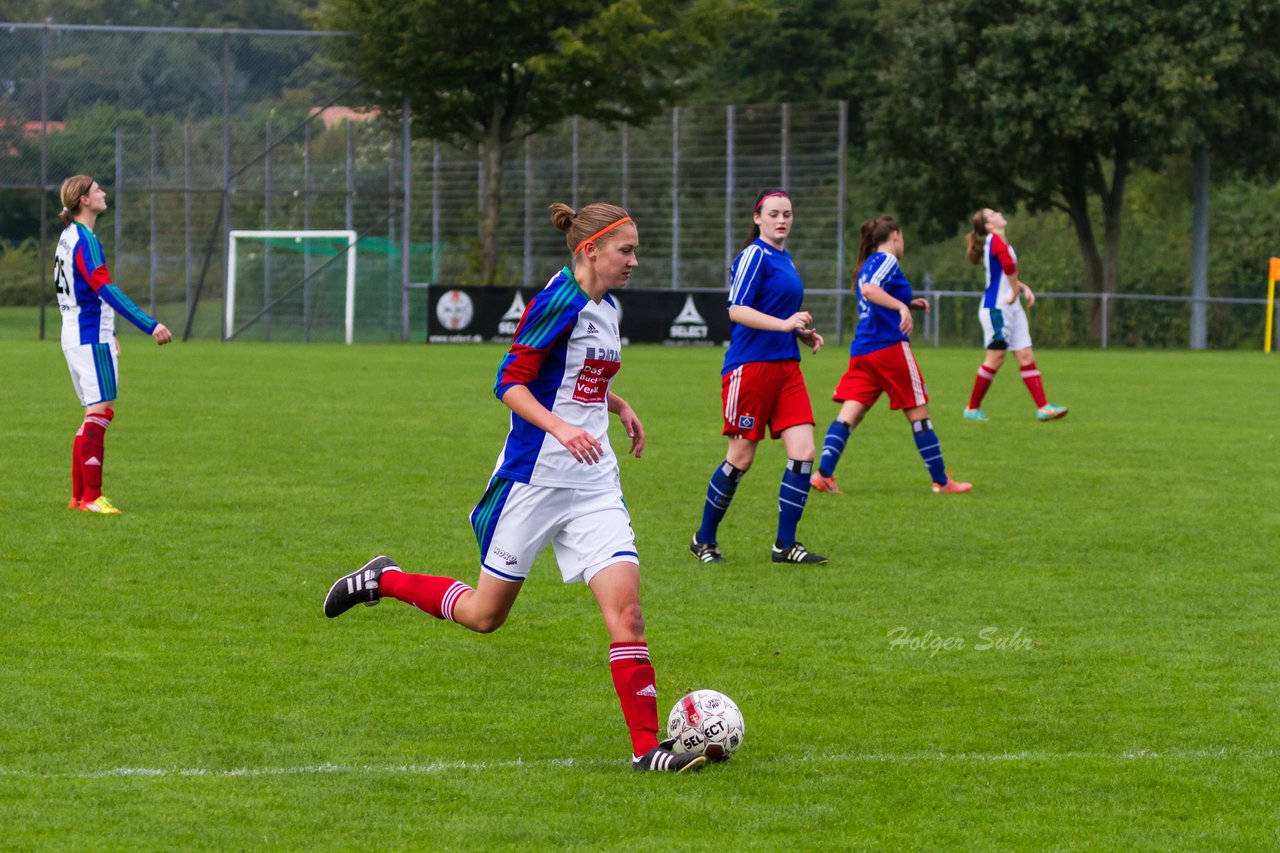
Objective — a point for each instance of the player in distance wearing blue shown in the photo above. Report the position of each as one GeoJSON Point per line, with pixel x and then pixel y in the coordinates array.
{"type": "Point", "coordinates": [881, 361]}
{"type": "Point", "coordinates": [762, 388]}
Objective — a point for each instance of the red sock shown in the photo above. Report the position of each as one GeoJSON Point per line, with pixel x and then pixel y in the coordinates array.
{"type": "Point", "coordinates": [1031, 376]}
{"type": "Point", "coordinates": [431, 594]}
{"type": "Point", "coordinates": [633, 679]}
{"type": "Point", "coordinates": [980, 386]}
{"type": "Point", "coordinates": [92, 450]}
{"type": "Point", "coordinates": [77, 463]}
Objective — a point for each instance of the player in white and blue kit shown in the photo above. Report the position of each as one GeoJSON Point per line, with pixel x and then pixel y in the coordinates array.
{"type": "Point", "coordinates": [557, 478]}
{"type": "Point", "coordinates": [1004, 322]}
{"type": "Point", "coordinates": [761, 387]}
{"type": "Point", "coordinates": [89, 302]}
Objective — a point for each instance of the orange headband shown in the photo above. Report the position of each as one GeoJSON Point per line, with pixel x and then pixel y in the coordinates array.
{"type": "Point", "coordinates": [603, 231]}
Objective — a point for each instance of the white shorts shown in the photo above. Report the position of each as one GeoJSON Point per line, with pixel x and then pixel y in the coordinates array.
{"type": "Point", "coordinates": [1005, 327]}
{"type": "Point", "coordinates": [95, 369]}
{"type": "Point", "coordinates": [590, 529]}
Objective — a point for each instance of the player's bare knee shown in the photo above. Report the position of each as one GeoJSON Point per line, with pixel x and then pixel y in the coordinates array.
{"type": "Point", "coordinates": [628, 622]}
{"type": "Point", "coordinates": [487, 623]}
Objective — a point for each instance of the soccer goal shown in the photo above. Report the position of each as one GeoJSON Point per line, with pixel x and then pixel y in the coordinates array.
{"type": "Point", "coordinates": [315, 253]}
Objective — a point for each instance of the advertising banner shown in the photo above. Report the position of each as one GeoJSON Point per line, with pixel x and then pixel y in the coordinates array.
{"type": "Point", "coordinates": [470, 314]}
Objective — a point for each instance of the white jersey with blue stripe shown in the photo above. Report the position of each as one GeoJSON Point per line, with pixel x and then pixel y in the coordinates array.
{"type": "Point", "coordinates": [999, 261]}
{"type": "Point", "coordinates": [87, 298]}
{"type": "Point", "coordinates": [566, 351]}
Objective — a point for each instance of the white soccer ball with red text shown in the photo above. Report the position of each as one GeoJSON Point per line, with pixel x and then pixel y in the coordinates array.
{"type": "Point", "coordinates": [708, 723]}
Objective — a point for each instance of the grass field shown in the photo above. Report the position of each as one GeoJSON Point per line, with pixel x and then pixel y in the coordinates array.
{"type": "Point", "coordinates": [169, 681]}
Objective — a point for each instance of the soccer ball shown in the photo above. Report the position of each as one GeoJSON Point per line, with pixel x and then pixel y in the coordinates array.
{"type": "Point", "coordinates": [708, 723]}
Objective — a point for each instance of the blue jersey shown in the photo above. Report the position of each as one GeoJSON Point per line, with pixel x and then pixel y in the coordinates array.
{"type": "Point", "coordinates": [766, 279]}
{"type": "Point", "coordinates": [878, 326]}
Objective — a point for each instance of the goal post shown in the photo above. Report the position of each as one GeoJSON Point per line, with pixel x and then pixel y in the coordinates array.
{"type": "Point", "coordinates": [350, 251]}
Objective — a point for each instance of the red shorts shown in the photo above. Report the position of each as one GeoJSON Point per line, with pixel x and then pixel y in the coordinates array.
{"type": "Point", "coordinates": [892, 370]}
{"type": "Point", "coordinates": [764, 393]}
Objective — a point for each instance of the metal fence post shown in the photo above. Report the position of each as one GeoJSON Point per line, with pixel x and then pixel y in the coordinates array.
{"type": "Point", "coordinates": [155, 258]}
{"type": "Point", "coordinates": [784, 118]}
{"type": "Point", "coordinates": [118, 204]}
{"type": "Point", "coordinates": [308, 289]}
{"type": "Point", "coordinates": [405, 245]}
{"type": "Point", "coordinates": [1200, 247]}
{"type": "Point", "coordinates": [729, 170]}
{"type": "Point", "coordinates": [526, 277]}
{"type": "Point", "coordinates": [576, 160]}
{"type": "Point", "coordinates": [267, 191]}
{"type": "Point", "coordinates": [436, 247]}
{"type": "Point", "coordinates": [44, 175]}
{"type": "Point", "coordinates": [351, 175]}
{"type": "Point", "coordinates": [842, 204]}
{"type": "Point", "coordinates": [1104, 320]}
{"type": "Point", "coordinates": [226, 161]}
{"type": "Point", "coordinates": [675, 197]}
{"type": "Point", "coordinates": [186, 215]}
{"type": "Point", "coordinates": [626, 165]}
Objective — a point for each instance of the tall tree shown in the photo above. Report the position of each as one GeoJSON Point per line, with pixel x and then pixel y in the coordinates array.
{"type": "Point", "coordinates": [795, 51]}
{"type": "Point", "coordinates": [486, 74]}
{"type": "Point", "coordinates": [1052, 103]}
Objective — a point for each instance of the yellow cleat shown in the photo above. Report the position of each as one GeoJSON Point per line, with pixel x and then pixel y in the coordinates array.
{"type": "Point", "coordinates": [101, 505]}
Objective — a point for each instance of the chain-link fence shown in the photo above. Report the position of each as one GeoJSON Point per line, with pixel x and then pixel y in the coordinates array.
{"type": "Point", "coordinates": [168, 119]}
{"type": "Point", "coordinates": [198, 132]}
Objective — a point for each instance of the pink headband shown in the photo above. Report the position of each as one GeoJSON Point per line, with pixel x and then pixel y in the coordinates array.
{"type": "Point", "coordinates": [769, 196]}
{"type": "Point", "coordinates": [603, 231]}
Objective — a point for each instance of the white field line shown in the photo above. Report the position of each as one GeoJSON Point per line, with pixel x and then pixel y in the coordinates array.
{"type": "Point", "coordinates": [443, 767]}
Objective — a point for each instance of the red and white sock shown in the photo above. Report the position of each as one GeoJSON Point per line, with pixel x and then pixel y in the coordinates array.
{"type": "Point", "coordinates": [634, 680]}
{"type": "Point", "coordinates": [1031, 376]}
{"type": "Point", "coordinates": [92, 451]}
{"type": "Point", "coordinates": [432, 594]}
{"type": "Point", "coordinates": [980, 386]}
{"type": "Point", "coordinates": [77, 465]}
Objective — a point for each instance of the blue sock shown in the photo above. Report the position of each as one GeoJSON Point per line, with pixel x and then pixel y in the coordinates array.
{"type": "Point", "coordinates": [724, 482]}
{"type": "Point", "coordinates": [791, 499]}
{"type": "Point", "coordinates": [930, 449]}
{"type": "Point", "coordinates": [833, 446]}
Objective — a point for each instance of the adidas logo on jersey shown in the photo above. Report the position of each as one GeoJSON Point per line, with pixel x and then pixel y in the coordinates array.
{"type": "Point", "coordinates": [648, 691]}
{"type": "Point", "coordinates": [591, 329]}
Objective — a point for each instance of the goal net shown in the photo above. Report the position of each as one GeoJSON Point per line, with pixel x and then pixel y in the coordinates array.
{"type": "Point", "coordinates": [291, 285]}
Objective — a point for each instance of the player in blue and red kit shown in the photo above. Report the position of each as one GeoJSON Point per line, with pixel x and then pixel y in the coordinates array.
{"type": "Point", "coordinates": [556, 480]}
{"type": "Point", "coordinates": [1004, 322]}
{"type": "Point", "coordinates": [89, 302]}
{"type": "Point", "coordinates": [761, 384]}
{"type": "Point", "coordinates": [880, 359]}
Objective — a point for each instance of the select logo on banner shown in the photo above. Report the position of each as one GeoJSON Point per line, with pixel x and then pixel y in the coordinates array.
{"type": "Point", "coordinates": [689, 325]}
{"type": "Point", "coordinates": [511, 319]}
{"type": "Point", "coordinates": [470, 313]}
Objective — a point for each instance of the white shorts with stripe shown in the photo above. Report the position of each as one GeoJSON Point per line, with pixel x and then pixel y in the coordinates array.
{"type": "Point", "coordinates": [590, 529]}
{"type": "Point", "coordinates": [95, 370]}
{"type": "Point", "coordinates": [1006, 327]}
